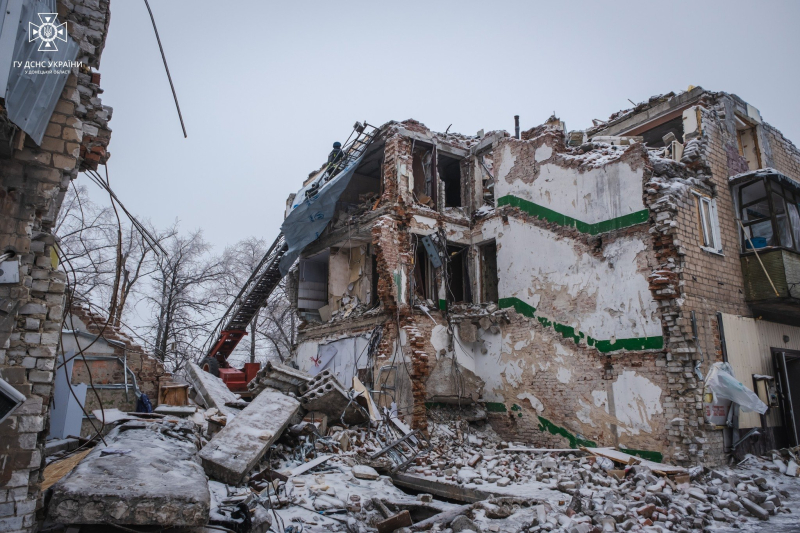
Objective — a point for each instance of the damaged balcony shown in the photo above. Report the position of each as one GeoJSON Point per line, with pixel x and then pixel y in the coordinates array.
{"type": "Point", "coordinates": [768, 209]}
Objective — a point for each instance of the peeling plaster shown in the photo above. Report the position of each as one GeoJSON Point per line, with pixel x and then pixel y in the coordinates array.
{"type": "Point", "coordinates": [534, 401]}
{"type": "Point", "coordinates": [564, 375]}
{"type": "Point", "coordinates": [636, 401]}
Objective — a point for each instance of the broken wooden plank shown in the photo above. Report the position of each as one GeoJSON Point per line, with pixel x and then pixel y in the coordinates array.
{"type": "Point", "coordinates": [401, 519]}
{"type": "Point", "coordinates": [443, 519]}
{"type": "Point", "coordinates": [374, 414]}
{"type": "Point", "coordinates": [471, 493]}
{"type": "Point", "coordinates": [624, 458]}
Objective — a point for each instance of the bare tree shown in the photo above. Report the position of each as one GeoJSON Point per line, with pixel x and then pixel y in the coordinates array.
{"type": "Point", "coordinates": [108, 256]}
{"type": "Point", "coordinates": [184, 299]}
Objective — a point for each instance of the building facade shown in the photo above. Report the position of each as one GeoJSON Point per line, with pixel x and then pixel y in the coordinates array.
{"type": "Point", "coordinates": [575, 286]}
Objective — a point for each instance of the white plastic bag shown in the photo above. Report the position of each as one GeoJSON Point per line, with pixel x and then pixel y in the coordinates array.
{"type": "Point", "coordinates": [722, 384]}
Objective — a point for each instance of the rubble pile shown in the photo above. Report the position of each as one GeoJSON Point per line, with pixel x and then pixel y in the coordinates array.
{"type": "Point", "coordinates": [306, 455]}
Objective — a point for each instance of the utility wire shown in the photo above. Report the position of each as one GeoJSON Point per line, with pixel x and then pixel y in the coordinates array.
{"type": "Point", "coordinates": [166, 67]}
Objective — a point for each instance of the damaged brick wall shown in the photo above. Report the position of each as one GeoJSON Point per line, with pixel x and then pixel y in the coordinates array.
{"type": "Point", "coordinates": [34, 181]}
{"type": "Point", "coordinates": [148, 371]}
{"type": "Point", "coordinates": [784, 155]}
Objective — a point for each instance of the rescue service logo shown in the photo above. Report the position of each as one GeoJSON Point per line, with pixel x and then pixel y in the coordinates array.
{"type": "Point", "coordinates": [48, 32]}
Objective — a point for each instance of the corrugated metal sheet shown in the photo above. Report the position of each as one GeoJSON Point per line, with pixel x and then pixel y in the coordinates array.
{"type": "Point", "coordinates": [748, 342]}
{"type": "Point", "coordinates": [31, 98]}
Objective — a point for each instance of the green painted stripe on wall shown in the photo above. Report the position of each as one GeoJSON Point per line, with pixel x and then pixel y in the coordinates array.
{"type": "Point", "coordinates": [656, 457]}
{"type": "Point", "coordinates": [563, 220]}
{"type": "Point", "coordinates": [574, 440]}
{"type": "Point", "coordinates": [568, 332]}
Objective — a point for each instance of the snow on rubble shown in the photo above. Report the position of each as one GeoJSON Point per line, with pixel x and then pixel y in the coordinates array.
{"type": "Point", "coordinates": [280, 466]}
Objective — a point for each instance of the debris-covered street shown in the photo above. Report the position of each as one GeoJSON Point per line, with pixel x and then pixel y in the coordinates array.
{"type": "Point", "coordinates": [313, 472]}
{"type": "Point", "coordinates": [380, 268]}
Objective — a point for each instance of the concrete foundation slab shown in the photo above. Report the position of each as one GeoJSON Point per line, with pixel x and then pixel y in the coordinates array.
{"type": "Point", "coordinates": [235, 450]}
{"type": "Point", "coordinates": [151, 479]}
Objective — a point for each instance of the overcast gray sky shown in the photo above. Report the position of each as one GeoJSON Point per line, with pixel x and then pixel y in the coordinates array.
{"type": "Point", "coordinates": [266, 87]}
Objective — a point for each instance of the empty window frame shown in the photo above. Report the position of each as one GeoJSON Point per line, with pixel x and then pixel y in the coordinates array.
{"type": "Point", "coordinates": [424, 278]}
{"type": "Point", "coordinates": [312, 287]}
{"type": "Point", "coordinates": [748, 146]}
{"type": "Point", "coordinates": [450, 174]}
{"type": "Point", "coordinates": [708, 223]}
{"type": "Point", "coordinates": [424, 187]}
{"type": "Point", "coordinates": [770, 214]}
{"type": "Point", "coordinates": [488, 265]}
{"type": "Point", "coordinates": [457, 286]}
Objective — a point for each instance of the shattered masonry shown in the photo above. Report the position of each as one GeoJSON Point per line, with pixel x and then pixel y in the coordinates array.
{"type": "Point", "coordinates": [574, 266]}
{"type": "Point", "coordinates": [34, 181]}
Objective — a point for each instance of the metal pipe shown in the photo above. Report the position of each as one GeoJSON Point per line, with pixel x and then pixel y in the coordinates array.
{"type": "Point", "coordinates": [516, 126]}
{"type": "Point", "coordinates": [789, 397]}
{"type": "Point", "coordinates": [136, 388]}
{"type": "Point", "coordinates": [125, 364]}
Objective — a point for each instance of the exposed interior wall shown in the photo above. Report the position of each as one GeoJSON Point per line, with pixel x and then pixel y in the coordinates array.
{"type": "Point", "coordinates": [574, 356]}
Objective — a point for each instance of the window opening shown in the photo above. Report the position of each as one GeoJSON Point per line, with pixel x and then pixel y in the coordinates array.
{"type": "Point", "coordinates": [488, 255]}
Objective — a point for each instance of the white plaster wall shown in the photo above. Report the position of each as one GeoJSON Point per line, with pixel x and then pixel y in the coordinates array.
{"type": "Point", "coordinates": [636, 401]}
{"type": "Point", "coordinates": [591, 195]}
{"type": "Point", "coordinates": [344, 364]}
{"type": "Point", "coordinates": [605, 298]}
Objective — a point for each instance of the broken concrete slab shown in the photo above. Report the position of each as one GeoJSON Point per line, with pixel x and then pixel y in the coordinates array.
{"type": "Point", "coordinates": [279, 377]}
{"type": "Point", "coordinates": [329, 397]}
{"type": "Point", "coordinates": [156, 482]}
{"type": "Point", "coordinates": [365, 472]}
{"type": "Point", "coordinates": [176, 410]}
{"type": "Point", "coordinates": [235, 450]}
{"type": "Point", "coordinates": [212, 390]}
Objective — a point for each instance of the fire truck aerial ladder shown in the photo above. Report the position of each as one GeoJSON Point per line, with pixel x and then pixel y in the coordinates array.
{"type": "Point", "coordinates": [261, 284]}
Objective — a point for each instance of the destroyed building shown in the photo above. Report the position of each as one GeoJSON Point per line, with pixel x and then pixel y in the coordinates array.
{"type": "Point", "coordinates": [107, 370]}
{"type": "Point", "coordinates": [52, 126]}
{"type": "Point", "coordinates": [576, 285]}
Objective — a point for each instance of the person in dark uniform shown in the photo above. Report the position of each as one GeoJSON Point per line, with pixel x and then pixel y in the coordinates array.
{"type": "Point", "coordinates": [336, 155]}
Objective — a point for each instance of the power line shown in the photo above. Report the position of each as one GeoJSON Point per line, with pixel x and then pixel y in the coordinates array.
{"type": "Point", "coordinates": [166, 67]}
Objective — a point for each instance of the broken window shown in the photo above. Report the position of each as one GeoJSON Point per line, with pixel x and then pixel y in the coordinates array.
{"type": "Point", "coordinates": [424, 274]}
{"type": "Point", "coordinates": [654, 137]}
{"type": "Point", "coordinates": [424, 184]}
{"type": "Point", "coordinates": [457, 285]}
{"type": "Point", "coordinates": [709, 225]}
{"type": "Point", "coordinates": [769, 215]}
{"type": "Point", "coordinates": [312, 286]}
{"type": "Point", "coordinates": [488, 258]}
{"type": "Point", "coordinates": [748, 143]}
{"type": "Point", "coordinates": [450, 174]}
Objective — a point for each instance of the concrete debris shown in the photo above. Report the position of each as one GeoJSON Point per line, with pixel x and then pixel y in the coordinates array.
{"type": "Point", "coordinates": [235, 450]}
{"type": "Point", "coordinates": [326, 395]}
{"type": "Point", "coordinates": [156, 482]}
{"type": "Point", "coordinates": [280, 377]}
{"type": "Point", "coordinates": [176, 410]}
{"type": "Point", "coordinates": [210, 391]}
{"type": "Point", "coordinates": [321, 475]}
